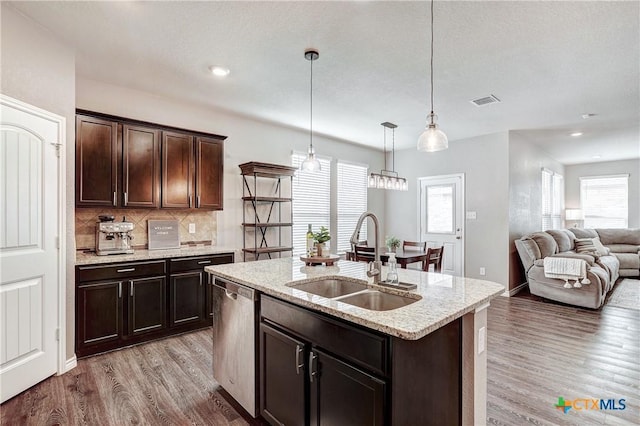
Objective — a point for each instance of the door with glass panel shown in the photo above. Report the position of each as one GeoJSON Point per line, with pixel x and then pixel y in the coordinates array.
{"type": "Point", "coordinates": [441, 218]}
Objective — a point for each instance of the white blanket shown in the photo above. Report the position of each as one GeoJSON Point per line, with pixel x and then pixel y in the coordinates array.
{"type": "Point", "coordinates": [566, 269]}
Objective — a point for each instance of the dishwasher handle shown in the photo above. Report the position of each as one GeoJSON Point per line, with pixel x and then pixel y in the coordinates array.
{"type": "Point", "coordinates": [233, 290]}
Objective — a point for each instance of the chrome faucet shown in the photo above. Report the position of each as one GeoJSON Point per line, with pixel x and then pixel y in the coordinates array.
{"type": "Point", "coordinates": [375, 267]}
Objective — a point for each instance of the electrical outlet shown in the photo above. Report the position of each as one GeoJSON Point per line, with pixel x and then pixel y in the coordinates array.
{"type": "Point", "coordinates": [483, 271]}
{"type": "Point", "coordinates": [192, 228]}
{"type": "Point", "coordinates": [482, 337]}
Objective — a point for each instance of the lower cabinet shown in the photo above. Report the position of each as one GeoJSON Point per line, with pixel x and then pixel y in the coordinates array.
{"type": "Point", "coordinates": [121, 304]}
{"type": "Point", "coordinates": [303, 382]}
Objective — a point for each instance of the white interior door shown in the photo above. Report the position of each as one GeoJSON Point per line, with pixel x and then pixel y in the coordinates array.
{"type": "Point", "coordinates": [441, 218]}
{"type": "Point", "coordinates": [29, 256]}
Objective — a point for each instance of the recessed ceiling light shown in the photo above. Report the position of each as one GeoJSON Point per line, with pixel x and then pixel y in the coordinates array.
{"type": "Point", "coordinates": [595, 157]}
{"type": "Point", "coordinates": [588, 115]}
{"type": "Point", "coordinates": [219, 71]}
{"type": "Point", "coordinates": [576, 134]}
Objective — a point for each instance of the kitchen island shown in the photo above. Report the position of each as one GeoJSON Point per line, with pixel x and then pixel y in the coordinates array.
{"type": "Point", "coordinates": [423, 362]}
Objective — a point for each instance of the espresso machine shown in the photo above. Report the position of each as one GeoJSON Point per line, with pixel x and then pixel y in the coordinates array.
{"type": "Point", "coordinates": [113, 237]}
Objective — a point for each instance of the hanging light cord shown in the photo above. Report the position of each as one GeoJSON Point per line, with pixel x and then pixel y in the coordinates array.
{"type": "Point", "coordinates": [311, 109]}
{"type": "Point", "coordinates": [384, 137]}
{"type": "Point", "coordinates": [393, 149]}
{"type": "Point", "coordinates": [432, 57]}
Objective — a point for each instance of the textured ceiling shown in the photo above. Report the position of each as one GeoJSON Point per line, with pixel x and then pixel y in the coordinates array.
{"type": "Point", "coordinates": [548, 62]}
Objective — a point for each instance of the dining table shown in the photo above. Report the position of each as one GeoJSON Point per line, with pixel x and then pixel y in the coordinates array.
{"type": "Point", "coordinates": [403, 257]}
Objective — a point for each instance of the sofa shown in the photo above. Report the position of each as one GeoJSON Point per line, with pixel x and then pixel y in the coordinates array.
{"type": "Point", "coordinates": [617, 254]}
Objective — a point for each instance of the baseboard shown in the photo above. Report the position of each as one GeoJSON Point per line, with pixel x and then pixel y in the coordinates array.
{"type": "Point", "coordinates": [514, 291]}
{"type": "Point", "coordinates": [70, 364]}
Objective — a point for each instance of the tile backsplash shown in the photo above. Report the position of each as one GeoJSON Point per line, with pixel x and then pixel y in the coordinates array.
{"type": "Point", "coordinates": [205, 221]}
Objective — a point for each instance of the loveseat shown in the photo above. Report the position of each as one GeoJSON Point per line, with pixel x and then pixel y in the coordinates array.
{"type": "Point", "coordinates": [617, 253]}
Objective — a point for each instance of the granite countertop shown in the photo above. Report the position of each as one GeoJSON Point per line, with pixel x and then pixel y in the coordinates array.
{"type": "Point", "coordinates": [91, 258]}
{"type": "Point", "coordinates": [443, 298]}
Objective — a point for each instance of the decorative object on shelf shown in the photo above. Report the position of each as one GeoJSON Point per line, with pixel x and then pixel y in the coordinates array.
{"type": "Point", "coordinates": [267, 218]}
{"type": "Point", "coordinates": [432, 139]}
{"type": "Point", "coordinates": [393, 243]}
{"type": "Point", "coordinates": [328, 260]}
{"type": "Point", "coordinates": [311, 163]}
{"type": "Point", "coordinates": [388, 179]}
{"type": "Point", "coordinates": [575, 215]}
{"type": "Point", "coordinates": [321, 238]}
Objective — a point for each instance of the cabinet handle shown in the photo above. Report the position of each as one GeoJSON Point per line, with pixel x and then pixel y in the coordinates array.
{"type": "Point", "coordinates": [204, 262]}
{"type": "Point", "coordinates": [114, 199]}
{"type": "Point", "coordinates": [198, 201]}
{"type": "Point", "coordinates": [126, 270]}
{"type": "Point", "coordinates": [312, 372]}
{"type": "Point", "coordinates": [131, 291]}
{"type": "Point", "coordinates": [126, 199]}
{"type": "Point", "coordinates": [120, 290]}
{"type": "Point", "coordinates": [299, 365]}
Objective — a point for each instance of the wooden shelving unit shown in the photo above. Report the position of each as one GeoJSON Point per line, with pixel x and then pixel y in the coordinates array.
{"type": "Point", "coordinates": [267, 214]}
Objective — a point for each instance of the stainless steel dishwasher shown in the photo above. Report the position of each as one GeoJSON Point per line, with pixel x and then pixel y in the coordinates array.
{"type": "Point", "coordinates": [234, 341]}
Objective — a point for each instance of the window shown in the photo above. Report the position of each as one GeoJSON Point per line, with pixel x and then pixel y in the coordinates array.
{"type": "Point", "coordinates": [352, 202]}
{"type": "Point", "coordinates": [552, 200]}
{"type": "Point", "coordinates": [605, 201]}
{"type": "Point", "coordinates": [311, 201]}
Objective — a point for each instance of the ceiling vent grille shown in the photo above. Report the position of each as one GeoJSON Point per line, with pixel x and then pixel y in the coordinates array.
{"type": "Point", "coordinates": [491, 99]}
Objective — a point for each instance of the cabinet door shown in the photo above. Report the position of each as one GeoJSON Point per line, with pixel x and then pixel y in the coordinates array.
{"type": "Point", "coordinates": [343, 395]}
{"type": "Point", "coordinates": [147, 310]}
{"type": "Point", "coordinates": [282, 377]}
{"type": "Point", "coordinates": [96, 162]}
{"type": "Point", "coordinates": [187, 298]}
{"type": "Point", "coordinates": [177, 170]}
{"type": "Point", "coordinates": [209, 168]}
{"type": "Point", "coordinates": [140, 166]}
{"type": "Point", "coordinates": [98, 313]}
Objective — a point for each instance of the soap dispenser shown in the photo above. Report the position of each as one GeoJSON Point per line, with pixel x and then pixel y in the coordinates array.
{"type": "Point", "coordinates": [392, 274]}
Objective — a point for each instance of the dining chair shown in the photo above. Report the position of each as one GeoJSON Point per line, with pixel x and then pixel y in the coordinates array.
{"type": "Point", "coordinates": [364, 253]}
{"type": "Point", "coordinates": [414, 245]}
{"type": "Point", "coordinates": [434, 257]}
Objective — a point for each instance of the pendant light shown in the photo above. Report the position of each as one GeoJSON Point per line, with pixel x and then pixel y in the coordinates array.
{"type": "Point", "coordinates": [311, 163]}
{"type": "Point", "coordinates": [432, 139]}
{"type": "Point", "coordinates": [388, 179]}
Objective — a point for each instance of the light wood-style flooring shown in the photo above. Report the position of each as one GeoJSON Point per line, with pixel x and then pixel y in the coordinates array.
{"type": "Point", "coordinates": [537, 353]}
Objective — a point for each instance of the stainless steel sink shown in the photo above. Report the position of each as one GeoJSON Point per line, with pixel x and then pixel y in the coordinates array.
{"type": "Point", "coordinates": [377, 300]}
{"type": "Point", "coordinates": [330, 288]}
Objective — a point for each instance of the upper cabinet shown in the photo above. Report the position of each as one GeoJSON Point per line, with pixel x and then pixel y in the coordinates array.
{"type": "Point", "coordinates": [96, 162]}
{"type": "Point", "coordinates": [122, 163]}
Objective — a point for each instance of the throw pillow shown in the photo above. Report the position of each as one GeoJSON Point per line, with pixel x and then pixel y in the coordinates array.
{"type": "Point", "coordinates": [600, 249]}
{"type": "Point", "coordinates": [585, 245]}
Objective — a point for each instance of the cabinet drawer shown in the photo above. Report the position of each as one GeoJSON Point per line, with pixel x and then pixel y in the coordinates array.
{"type": "Point", "coordinates": [197, 263]}
{"type": "Point", "coordinates": [360, 346]}
{"type": "Point", "coordinates": [120, 271]}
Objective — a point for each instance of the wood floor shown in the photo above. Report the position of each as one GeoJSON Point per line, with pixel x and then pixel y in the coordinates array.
{"type": "Point", "coordinates": [537, 353]}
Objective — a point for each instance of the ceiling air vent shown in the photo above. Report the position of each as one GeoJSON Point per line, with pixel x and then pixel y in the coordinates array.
{"type": "Point", "coordinates": [491, 99]}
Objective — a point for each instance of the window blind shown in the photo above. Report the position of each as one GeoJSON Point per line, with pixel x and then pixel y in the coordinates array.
{"type": "Point", "coordinates": [605, 201]}
{"type": "Point", "coordinates": [311, 201]}
{"type": "Point", "coordinates": [552, 200]}
{"type": "Point", "coordinates": [352, 202]}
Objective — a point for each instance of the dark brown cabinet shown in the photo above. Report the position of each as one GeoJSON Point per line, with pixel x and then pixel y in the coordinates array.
{"type": "Point", "coordinates": [140, 166]}
{"type": "Point", "coordinates": [122, 304]}
{"type": "Point", "coordinates": [283, 379]}
{"type": "Point", "coordinates": [97, 147]}
{"type": "Point", "coordinates": [315, 370]}
{"type": "Point", "coordinates": [127, 163]}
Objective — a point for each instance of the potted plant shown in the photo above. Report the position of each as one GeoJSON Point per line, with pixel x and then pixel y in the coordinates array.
{"type": "Point", "coordinates": [393, 243]}
{"type": "Point", "coordinates": [320, 239]}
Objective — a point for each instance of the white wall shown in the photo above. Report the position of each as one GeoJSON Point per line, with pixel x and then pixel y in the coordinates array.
{"type": "Point", "coordinates": [39, 70]}
{"type": "Point", "coordinates": [526, 161]}
{"type": "Point", "coordinates": [631, 167]}
{"type": "Point", "coordinates": [248, 140]}
{"type": "Point", "coordinates": [484, 162]}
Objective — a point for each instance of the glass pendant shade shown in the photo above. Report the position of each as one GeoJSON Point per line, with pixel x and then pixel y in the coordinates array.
{"type": "Point", "coordinates": [311, 163]}
{"type": "Point", "coordinates": [432, 139]}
